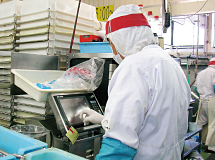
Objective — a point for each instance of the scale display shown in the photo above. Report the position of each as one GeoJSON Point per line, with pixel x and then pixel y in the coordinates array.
{"type": "Point", "coordinates": [72, 106]}
{"type": "Point", "coordinates": [66, 105]}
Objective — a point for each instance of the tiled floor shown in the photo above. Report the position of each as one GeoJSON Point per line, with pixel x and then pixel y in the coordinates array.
{"type": "Point", "coordinates": [205, 154]}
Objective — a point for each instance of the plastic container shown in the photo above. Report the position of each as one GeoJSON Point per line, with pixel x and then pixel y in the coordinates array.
{"type": "Point", "coordinates": [56, 22]}
{"type": "Point", "coordinates": [55, 29]}
{"type": "Point", "coordinates": [30, 6]}
{"type": "Point", "coordinates": [70, 7]}
{"type": "Point", "coordinates": [142, 10]}
{"type": "Point", "coordinates": [27, 79]}
{"type": "Point", "coordinates": [69, 31]}
{"type": "Point", "coordinates": [35, 31]}
{"type": "Point", "coordinates": [8, 20]}
{"type": "Point", "coordinates": [8, 39]}
{"type": "Point", "coordinates": [52, 154]}
{"type": "Point", "coordinates": [62, 37]}
{"type": "Point", "coordinates": [5, 116]}
{"type": "Point", "coordinates": [47, 44]}
{"type": "Point", "coordinates": [34, 17]}
{"type": "Point", "coordinates": [150, 18]}
{"type": "Point", "coordinates": [45, 37]}
{"type": "Point", "coordinates": [5, 123]}
{"type": "Point", "coordinates": [64, 6]}
{"type": "Point", "coordinates": [35, 38]}
{"type": "Point", "coordinates": [71, 18]}
{"type": "Point", "coordinates": [10, 8]}
{"type": "Point", "coordinates": [32, 131]}
{"type": "Point", "coordinates": [157, 26]}
{"type": "Point", "coordinates": [7, 33]}
{"type": "Point", "coordinates": [95, 47]}
{"type": "Point", "coordinates": [90, 38]}
{"type": "Point", "coordinates": [7, 27]}
{"type": "Point", "coordinates": [14, 142]}
{"type": "Point", "coordinates": [6, 46]}
{"type": "Point", "coordinates": [34, 24]}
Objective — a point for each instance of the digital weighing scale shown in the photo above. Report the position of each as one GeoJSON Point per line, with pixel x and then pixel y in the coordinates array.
{"type": "Point", "coordinates": [66, 105]}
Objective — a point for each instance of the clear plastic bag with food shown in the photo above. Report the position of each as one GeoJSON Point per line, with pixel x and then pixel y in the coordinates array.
{"type": "Point", "coordinates": [86, 75]}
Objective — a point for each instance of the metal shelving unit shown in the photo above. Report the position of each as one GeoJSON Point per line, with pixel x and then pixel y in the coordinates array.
{"type": "Point", "coordinates": [189, 145]}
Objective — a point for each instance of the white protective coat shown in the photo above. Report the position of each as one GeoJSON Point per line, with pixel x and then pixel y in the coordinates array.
{"type": "Point", "coordinates": [204, 83]}
{"type": "Point", "coordinates": [148, 104]}
{"type": "Point", "coordinates": [206, 112]}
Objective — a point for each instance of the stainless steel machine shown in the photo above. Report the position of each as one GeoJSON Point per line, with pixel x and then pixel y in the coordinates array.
{"type": "Point", "coordinates": [64, 107]}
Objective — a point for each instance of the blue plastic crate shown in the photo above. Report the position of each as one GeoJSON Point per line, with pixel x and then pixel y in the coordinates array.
{"type": "Point", "coordinates": [95, 47]}
{"type": "Point", "coordinates": [14, 142]}
{"type": "Point", "coordinates": [52, 154]}
{"type": "Point", "coordinates": [9, 157]}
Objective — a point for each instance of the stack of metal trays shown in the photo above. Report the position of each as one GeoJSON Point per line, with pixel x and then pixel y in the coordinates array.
{"type": "Point", "coordinates": [46, 27]}
{"type": "Point", "coordinates": [26, 107]}
{"type": "Point", "coordinates": [5, 107]}
{"type": "Point", "coordinates": [8, 14]}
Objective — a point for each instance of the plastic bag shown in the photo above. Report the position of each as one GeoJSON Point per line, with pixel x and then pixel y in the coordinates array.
{"type": "Point", "coordinates": [86, 75]}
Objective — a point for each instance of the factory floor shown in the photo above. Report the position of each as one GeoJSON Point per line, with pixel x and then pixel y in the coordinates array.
{"type": "Point", "coordinates": [207, 155]}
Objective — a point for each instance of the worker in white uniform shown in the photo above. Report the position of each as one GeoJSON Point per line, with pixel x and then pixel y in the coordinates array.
{"type": "Point", "coordinates": [146, 115]}
{"type": "Point", "coordinates": [205, 87]}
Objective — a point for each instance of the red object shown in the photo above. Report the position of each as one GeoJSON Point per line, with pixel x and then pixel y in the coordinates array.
{"type": "Point", "coordinates": [78, 71]}
{"type": "Point", "coordinates": [211, 63]}
{"type": "Point", "coordinates": [149, 13]}
{"type": "Point", "coordinates": [156, 17]}
{"type": "Point", "coordinates": [69, 129]}
{"type": "Point", "coordinates": [140, 5]}
{"type": "Point", "coordinates": [126, 21]}
{"type": "Point", "coordinates": [90, 38]}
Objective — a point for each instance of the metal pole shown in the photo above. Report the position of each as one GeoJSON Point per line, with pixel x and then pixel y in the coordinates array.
{"type": "Point", "coordinates": [73, 35]}
{"type": "Point", "coordinates": [76, 19]}
{"type": "Point", "coordinates": [197, 53]}
{"type": "Point", "coordinates": [205, 34]}
{"type": "Point", "coordinates": [4, 153]}
{"type": "Point", "coordinates": [197, 50]}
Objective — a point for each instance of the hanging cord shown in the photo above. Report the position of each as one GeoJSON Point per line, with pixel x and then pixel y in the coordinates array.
{"type": "Point", "coordinates": [187, 71]}
{"type": "Point", "coordinates": [73, 34]}
{"type": "Point", "coordinates": [198, 10]}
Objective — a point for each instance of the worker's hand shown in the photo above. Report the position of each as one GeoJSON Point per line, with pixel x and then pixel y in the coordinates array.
{"type": "Point", "coordinates": [91, 116]}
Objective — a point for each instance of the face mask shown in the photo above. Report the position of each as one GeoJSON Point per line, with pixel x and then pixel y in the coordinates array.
{"type": "Point", "coordinates": [117, 58]}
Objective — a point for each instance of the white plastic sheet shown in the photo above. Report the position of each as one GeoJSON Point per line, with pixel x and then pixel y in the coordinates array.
{"type": "Point", "coordinates": [86, 75]}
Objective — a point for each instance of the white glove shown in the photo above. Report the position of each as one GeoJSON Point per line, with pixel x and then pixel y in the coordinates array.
{"type": "Point", "coordinates": [91, 116]}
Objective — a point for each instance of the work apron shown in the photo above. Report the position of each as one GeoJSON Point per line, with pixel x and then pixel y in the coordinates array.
{"type": "Point", "coordinates": [210, 139]}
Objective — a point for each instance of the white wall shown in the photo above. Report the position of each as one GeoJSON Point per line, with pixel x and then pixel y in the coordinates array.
{"type": "Point", "coordinates": [178, 7]}
{"type": "Point", "coordinates": [118, 3]}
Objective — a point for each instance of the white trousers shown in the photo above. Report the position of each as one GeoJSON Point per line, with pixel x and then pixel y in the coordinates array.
{"type": "Point", "coordinates": [206, 114]}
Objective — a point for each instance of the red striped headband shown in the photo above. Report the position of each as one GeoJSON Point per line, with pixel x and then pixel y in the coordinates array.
{"type": "Point", "coordinates": [130, 20]}
{"type": "Point", "coordinates": [211, 63]}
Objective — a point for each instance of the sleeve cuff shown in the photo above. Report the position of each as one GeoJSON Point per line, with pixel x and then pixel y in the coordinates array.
{"type": "Point", "coordinates": [114, 149]}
